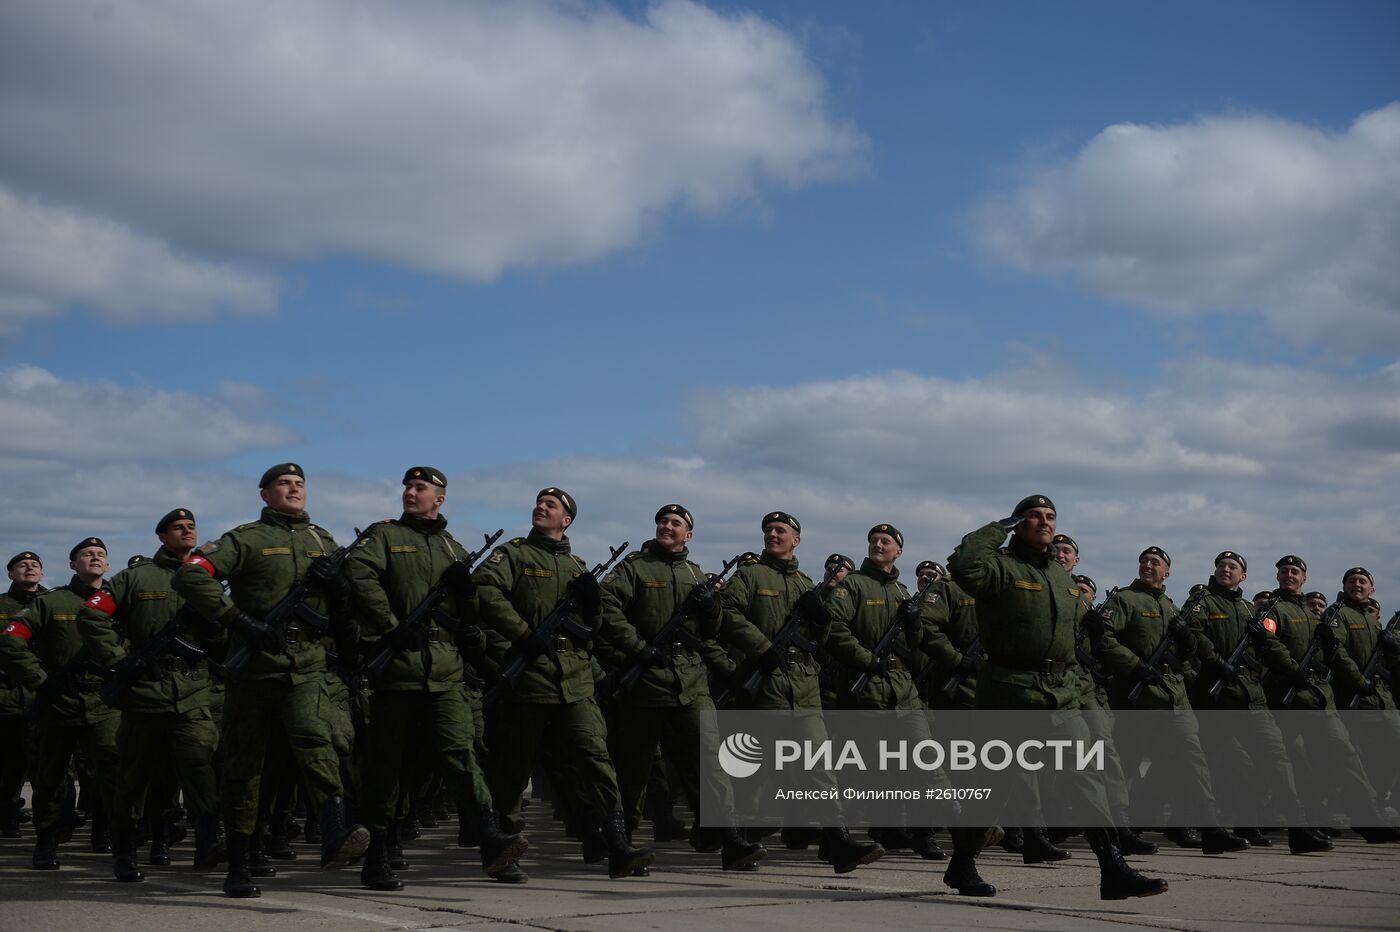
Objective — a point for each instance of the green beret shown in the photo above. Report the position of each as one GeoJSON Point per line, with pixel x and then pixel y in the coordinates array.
{"type": "Point", "coordinates": [1314, 595]}
{"type": "Point", "coordinates": [1082, 580]}
{"type": "Point", "coordinates": [1231, 555]}
{"type": "Point", "coordinates": [889, 529]}
{"type": "Point", "coordinates": [930, 564]}
{"type": "Point", "coordinates": [1196, 588]}
{"type": "Point", "coordinates": [782, 517]}
{"type": "Point", "coordinates": [674, 509]}
{"type": "Point", "coordinates": [1358, 570]}
{"type": "Point", "coordinates": [281, 469]}
{"type": "Point", "coordinates": [1157, 552]}
{"type": "Point", "coordinates": [1065, 539]}
{"type": "Point", "coordinates": [565, 499]}
{"type": "Point", "coordinates": [842, 559]}
{"type": "Point", "coordinates": [1291, 560]}
{"type": "Point", "coordinates": [1269, 594]}
{"type": "Point", "coordinates": [429, 474]}
{"type": "Point", "coordinates": [179, 514]}
{"type": "Point", "coordinates": [84, 544]}
{"type": "Point", "coordinates": [27, 555]}
{"type": "Point", "coordinates": [1033, 501]}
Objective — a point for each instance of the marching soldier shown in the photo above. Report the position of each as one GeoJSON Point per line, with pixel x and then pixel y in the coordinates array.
{"type": "Point", "coordinates": [165, 714]}
{"type": "Point", "coordinates": [1378, 733]}
{"type": "Point", "coordinates": [42, 646]}
{"type": "Point", "coordinates": [758, 600]}
{"type": "Point", "coordinates": [262, 561]}
{"type": "Point", "coordinates": [666, 704]}
{"type": "Point", "coordinates": [1028, 610]}
{"type": "Point", "coordinates": [1242, 745]}
{"type": "Point", "coordinates": [518, 586]}
{"type": "Point", "coordinates": [26, 571]}
{"type": "Point", "coordinates": [1141, 616]}
{"type": "Point", "coordinates": [419, 697]}
{"type": "Point", "coordinates": [1322, 736]}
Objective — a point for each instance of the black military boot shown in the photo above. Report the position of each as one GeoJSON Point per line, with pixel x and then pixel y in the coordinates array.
{"type": "Point", "coordinates": [209, 850]}
{"type": "Point", "coordinates": [160, 841]}
{"type": "Point", "coordinates": [1256, 838]}
{"type": "Point", "coordinates": [844, 853]}
{"type": "Point", "coordinates": [279, 841]}
{"type": "Point", "coordinates": [1216, 840]}
{"type": "Point", "coordinates": [101, 837]}
{"type": "Point", "coordinates": [593, 842]}
{"type": "Point", "coordinates": [340, 843]}
{"type": "Point", "coordinates": [467, 834]}
{"type": "Point", "coordinates": [124, 856]}
{"type": "Point", "coordinates": [46, 850]}
{"type": "Point", "coordinates": [1377, 835]}
{"type": "Point", "coordinates": [738, 853]}
{"type": "Point", "coordinates": [259, 865]}
{"type": "Point", "coordinates": [962, 876]}
{"type": "Point", "coordinates": [375, 873]}
{"type": "Point", "coordinates": [1012, 841]}
{"type": "Point", "coordinates": [664, 824]}
{"type": "Point", "coordinates": [1303, 841]}
{"type": "Point", "coordinates": [891, 839]}
{"type": "Point", "coordinates": [511, 874]}
{"type": "Point", "coordinates": [498, 849]}
{"type": "Point", "coordinates": [706, 839]}
{"type": "Point", "coordinates": [926, 846]}
{"type": "Point", "coordinates": [1183, 837]}
{"type": "Point", "coordinates": [394, 843]}
{"type": "Point", "coordinates": [239, 881]}
{"type": "Point", "coordinates": [1130, 842]}
{"type": "Point", "coordinates": [623, 859]}
{"type": "Point", "coordinates": [9, 818]}
{"type": "Point", "coordinates": [1118, 881]}
{"type": "Point", "coordinates": [1036, 848]}
{"type": "Point", "coordinates": [800, 839]}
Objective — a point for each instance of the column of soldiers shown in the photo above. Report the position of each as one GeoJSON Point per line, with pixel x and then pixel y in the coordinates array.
{"type": "Point", "coordinates": [271, 662]}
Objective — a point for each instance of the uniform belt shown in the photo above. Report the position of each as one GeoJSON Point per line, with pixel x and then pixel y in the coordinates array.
{"type": "Point", "coordinates": [291, 632]}
{"type": "Point", "coordinates": [172, 664]}
{"type": "Point", "coordinates": [436, 635]}
{"type": "Point", "coordinates": [1045, 667]}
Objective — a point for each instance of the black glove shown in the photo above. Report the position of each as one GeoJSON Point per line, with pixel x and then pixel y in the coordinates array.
{"type": "Point", "coordinates": [650, 655]}
{"type": "Point", "coordinates": [1390, 644]}
{"type": "Point", "coordinates": [813, 609]}
{"type": "Point", "coordinates": [771, 660]}
{"type": "Point", "coordinates": [458, 577]}
{"type": "Point", "coordinates": [1327, 634]}
{"type": "Point", "coordinates": [875, 667]}
{"type": "Point", "coordinates": [257, 634]}
{"type": "Point", "coordinates": [1147, 674]}
{"type": "Point", "coordinates": [1094, 624]}
{"type": "Point", "coordinates": [1010, 523]}
{"type": "Point", "coordinates": [966, 666]}
{"type": "Point", "coordinates": [406, 640]}
{"type": "Point", "coordinates": [133, 667]}
{"type": "Point", "coordinates": [1367, 687]}
{"type": "Point", "coordinates": [326, 576]}
{"type": "Point", "coordinates": [469, 639]}
{"type": "Point", "coordinates": [1259, 635]}
{"type": "Point", "coordinates": [1221, 670]}
{"type": "Point", "coordinates": [1302, 680]}
{"type": "Point", "coordinates": [703, 601]}
{"type": "Point", "coordinates": [584, 591]}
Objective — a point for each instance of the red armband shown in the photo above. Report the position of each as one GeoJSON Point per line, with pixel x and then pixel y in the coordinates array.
{"type": "Point", "coordinates": [103, 602]}
{"type": "Point", "coordinates": [18, 629]}
{"type": "Point", "coordinates": [201, 562]}
{"type": "Point", "coordinates": [1270, 625]}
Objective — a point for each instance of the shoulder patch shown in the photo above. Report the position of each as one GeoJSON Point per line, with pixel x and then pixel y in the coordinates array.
{"type": "Point", "coordinates": [609, 578]}
{"type": "Point", "coordinates": [497, 556]}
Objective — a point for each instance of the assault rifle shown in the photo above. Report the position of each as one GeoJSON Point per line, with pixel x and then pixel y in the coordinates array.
{"type": "Point", "coordinates": [955, 679]}
{"type": "Point", "coordinates": [1238, 656]}
{"type": "Point", "coordinates": [1374, 668]}
{"type": "Point", "coordinates": [293, 606]}
{"type": "Point", "coordinates": [561, 620]}
{"type": "Point", "coordinates": [145, 660]}
{"type": "Point", "coordinates": [427, 611]}
{"type": "Point", "coordinates": [789, 635]}
{"type": "Point", "coordinates": [1082, 653]}
{"type": "Point", "coordinates": [60, 682]}
{"type": "Point", "coordinates": [1162, 654]}
{"type": "Point", "coordinates": [889, 644]}
{"type": "Point", "coordinates": [1311, 662]}
{"type": "Point", "coordinates": [674, 630]}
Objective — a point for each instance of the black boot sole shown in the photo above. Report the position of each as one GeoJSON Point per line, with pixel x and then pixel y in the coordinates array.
{"type": "Point", "coordinates": [870, 857]}
{"type": "Point", "coordinates": [1123, 895]}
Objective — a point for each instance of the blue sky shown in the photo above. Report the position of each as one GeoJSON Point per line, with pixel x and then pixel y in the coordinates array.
{"type": "Point", "coordinates": [866, 262]}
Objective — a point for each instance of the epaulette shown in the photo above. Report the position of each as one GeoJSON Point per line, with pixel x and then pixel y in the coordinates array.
{"type": "Point", "coordinates": [250, 524]}
{"type": "Point", "coordinates": [634, 555]}
{"type": "Point", "coordinates": [517, 540]}
{"type": "Point", "coordinates": [751, 560]}
{"type": "Point", "coordinates": [1004, 551]}
{"type": "Point", "coordinates": [137, 560]}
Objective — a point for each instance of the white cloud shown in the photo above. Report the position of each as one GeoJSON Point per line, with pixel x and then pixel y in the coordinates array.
{"type": "Point", "coordinates": [460, 138]}
{"type": "Point", "coordinates": [52, 257]}
{"type": "Point", "coordinates": [1227, 213]}
{"type": "Point", "coordinates": [46, 420]}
